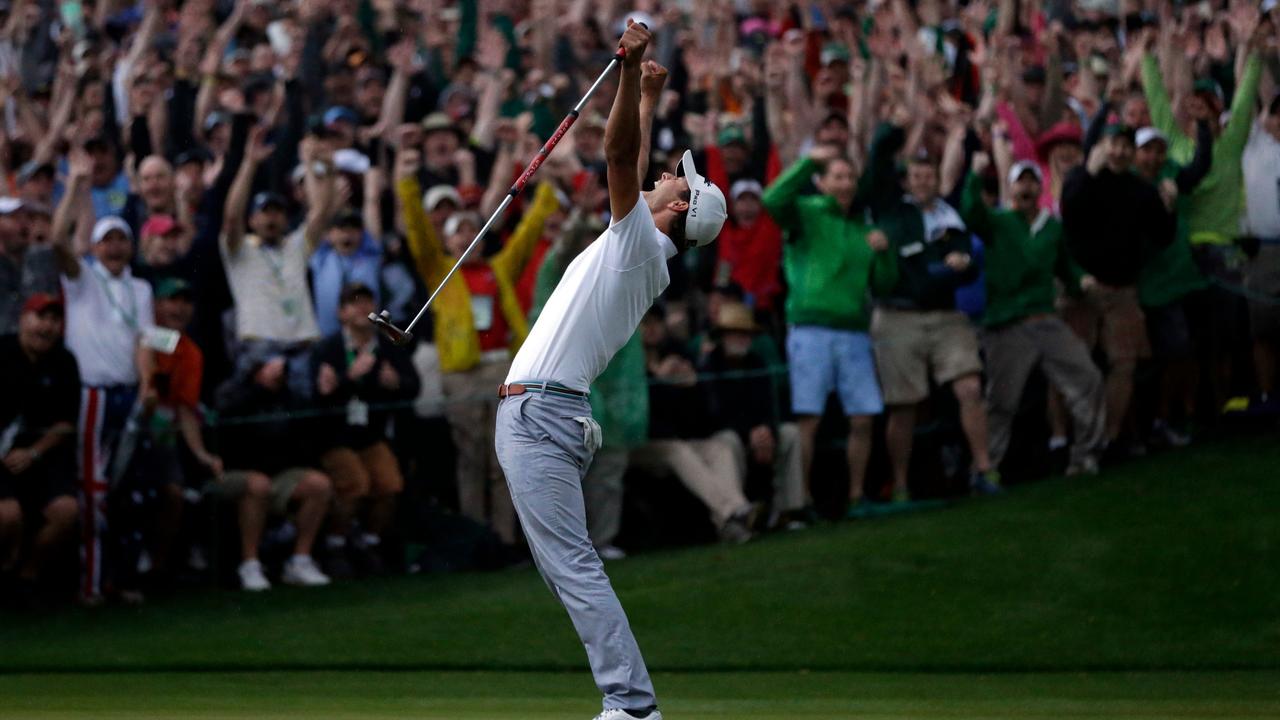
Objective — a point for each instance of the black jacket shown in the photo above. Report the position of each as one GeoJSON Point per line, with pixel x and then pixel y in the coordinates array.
{"type": "Point", "coordinates": [333, 427]}
{"type": "Point", "coordinates": [1113, 221]}
{"type": "Point", "coordinates": [740, 393]}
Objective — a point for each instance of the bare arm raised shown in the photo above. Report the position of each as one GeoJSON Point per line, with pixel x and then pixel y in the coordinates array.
{"type": "Point", "coordinates": [622, 132]}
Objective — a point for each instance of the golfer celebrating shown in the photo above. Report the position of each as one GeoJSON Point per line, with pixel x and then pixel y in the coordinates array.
{"type": "Point", "coordinates": [545, 435]}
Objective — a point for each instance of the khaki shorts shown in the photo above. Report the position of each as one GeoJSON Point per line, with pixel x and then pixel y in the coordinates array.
{"type": "Point", "coordinates": [1110, 315]}
{"type": "Point", "coordinates": [234, 483]}
{"type": "Point", "coordinates": [912, 346]}
{"type": "Point", "coordinates": [359, 473]}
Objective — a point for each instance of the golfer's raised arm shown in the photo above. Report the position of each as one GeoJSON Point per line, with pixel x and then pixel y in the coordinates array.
{"type": "Point", "coordinates": [652, 79]}
{"type": "Point", "coordinates": [622, 132]}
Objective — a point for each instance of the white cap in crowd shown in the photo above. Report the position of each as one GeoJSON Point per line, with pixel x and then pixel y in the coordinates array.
{"type": "Point", "coordinates": [107, 224]}
{"type": "Point", "coordinates": [1025, 166]}
{"type": "Point", "coordinates": [745, 185]}
{"type": "Point", "coordinates": [707, 208]}
{"type": "Point", "coordinates": [432, 198]}
{"type": "Point", "coordinates": [1146, 135]}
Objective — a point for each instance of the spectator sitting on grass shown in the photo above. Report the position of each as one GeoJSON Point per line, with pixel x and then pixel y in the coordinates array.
{"type": "Point", "coordinates": [683, 439]}
{"type": "Point", "coordinates": [742, 399]}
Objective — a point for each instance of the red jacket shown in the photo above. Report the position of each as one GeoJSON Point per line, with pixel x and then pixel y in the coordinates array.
{"type": "Point", "coordinates": [754, 256]}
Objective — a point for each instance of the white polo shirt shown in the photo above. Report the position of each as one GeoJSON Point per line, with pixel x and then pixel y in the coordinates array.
{"type": "Point", "coordinates": [598, 304]}
{"type": "Point", "coordinates": [1261, 164]}
{"type": "Point", "coordinates": [106, 316]}
{"type": "Point", "coordinates": [269, 285]}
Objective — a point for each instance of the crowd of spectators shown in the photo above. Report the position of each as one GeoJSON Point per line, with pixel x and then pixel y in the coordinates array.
{"type": "Point", "coordinates": [932, 202]}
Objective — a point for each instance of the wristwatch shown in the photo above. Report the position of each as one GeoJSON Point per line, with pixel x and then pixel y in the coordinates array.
{"type": "Point", "coordinates": [35, 454]}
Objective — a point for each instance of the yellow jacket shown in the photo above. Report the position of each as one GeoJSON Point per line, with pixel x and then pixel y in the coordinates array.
{"type": "Point", "coordinates": [455, 333]}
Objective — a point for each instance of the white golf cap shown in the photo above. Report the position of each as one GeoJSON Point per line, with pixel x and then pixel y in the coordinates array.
{"type": "Point", "coordinates": [707, 208]}
{"type": "Point", "coordinates": [1025, 166]}
{"type": "Point", "coordinates": [745, 185]}
{"type": "Point", "coordinates": [455, 221]}
{"type": "Point", "coordinates": [432, 198]}
{"type": "Point", "coordinates": [10, 205]}
{"type": "Point", "coordinates": [1146, 135]}
{"type": "Point", "coordinates": [106, 225]}
{"type": "Point", "coordinates": [351, 161]}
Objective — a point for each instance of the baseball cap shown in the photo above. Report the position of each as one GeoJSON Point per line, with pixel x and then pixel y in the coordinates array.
{"type": "Point", "coordinates": [338, 113]}
{"type": "Point", "coordinates": [1148, 134]}
{"type": "Point", "coordinates": [438, 121]}
{"type": "Point", "coordinates": [10, 205]}
{"type": "Point", "coordinates": [351, 161]}
{"type": "Point", "coordinates": [108, 225]}
{"type": "Point", "coordinates": [455, 221]}
{"type": "Point", "coordinates": [172, 287]}
{"type": "Point", "coordinates": [833, 52]}
{"type": "Point", "coordinates": [214, 119]}
{"type": "Point", "coordinates": [1024, 166]}
{"type": "Point", "coordinates": [707, 208]}
{"type": "Point", "coordinates": [744, 186]}
{"type": "Point", "coordinates": [194, 155]}
{"type": "Point", "coordinates": [266, 199]}
{"type": "Point", "coordinates": [432, 198]}
{"type": "Point", "coordinates": [353, 290]}
{"type": "Point", "coordinates": [348, 218]}
{"type": "Point", "coordinates": [40, 302]}
{"type": "Point", "coordinates": [1118, 130]}
{"type": "Point", "coordinates": [159, 225]}
{"type": "Point", "coordinates": [730, 135]}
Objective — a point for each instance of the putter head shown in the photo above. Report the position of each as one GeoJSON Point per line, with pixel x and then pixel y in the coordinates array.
{"type": "Point", "coordinates": [394, 334]}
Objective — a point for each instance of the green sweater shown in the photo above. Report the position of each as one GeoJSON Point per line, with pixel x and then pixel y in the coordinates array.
{"type": "Point", "coordinates": [1213, 210]}
{"type": "Point", "coordinates": [1171, 273]}
{"type": "Point", "coordinates": [831, 272]}
{"type": "Point", "coordinates": [1022, 258]}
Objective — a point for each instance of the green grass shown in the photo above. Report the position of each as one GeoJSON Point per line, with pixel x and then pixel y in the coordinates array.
{"type": "Point", "coordinates": [1153, 591]}
{"type": "Point", "coordinates": [542, 696]}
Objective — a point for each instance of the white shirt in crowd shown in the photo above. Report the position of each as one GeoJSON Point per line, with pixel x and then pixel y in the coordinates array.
{"type": "Point", "coordinates": [1262, 183]}
{"type": "Point", "coordinates": [106, 317]}
{"type": "Point", "coordinates": [598, 304]}
{"type": "Point", "coordinates": [269, 286]}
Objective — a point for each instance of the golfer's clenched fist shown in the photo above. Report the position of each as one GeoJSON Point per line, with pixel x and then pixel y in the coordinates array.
{"type": "Point", "coordinates": [633, 43]}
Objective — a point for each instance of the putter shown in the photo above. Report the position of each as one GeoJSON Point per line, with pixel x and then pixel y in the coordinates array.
{"type": "Point", "coordinates": [383, 320]}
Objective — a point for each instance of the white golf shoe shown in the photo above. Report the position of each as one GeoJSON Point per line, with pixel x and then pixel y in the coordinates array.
{"type": "Point", "coordinates": [302, 570]}
{"type": "Point", "coordinates": [251, 577]}
{"type": "Point", "coordinates": [616, 714]}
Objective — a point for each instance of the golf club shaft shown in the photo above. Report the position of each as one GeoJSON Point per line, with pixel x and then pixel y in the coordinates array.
{"type": "Point", "coordinates": [520, 183]}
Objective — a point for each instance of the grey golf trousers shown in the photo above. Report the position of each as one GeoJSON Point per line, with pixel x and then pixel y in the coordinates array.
{"type": "Point", "coordinates": [545, 442]}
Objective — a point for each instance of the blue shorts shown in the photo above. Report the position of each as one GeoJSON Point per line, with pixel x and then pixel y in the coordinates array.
{"type": "Point", "coordinates": [822, 360]}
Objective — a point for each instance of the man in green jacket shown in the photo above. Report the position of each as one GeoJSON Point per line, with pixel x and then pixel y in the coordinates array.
{"type": "Point", "coordinates": [1212, 211]}
{"type": "Point", "coordinates": [833, 263]}
{"type": "Point", "coordinates": [1025, 251]}
{"type": "Point", "coordinates": [1171, 287]}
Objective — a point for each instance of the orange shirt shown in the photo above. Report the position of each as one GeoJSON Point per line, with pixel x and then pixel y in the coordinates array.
{"type": "Point", "coordinates": [178, 375]}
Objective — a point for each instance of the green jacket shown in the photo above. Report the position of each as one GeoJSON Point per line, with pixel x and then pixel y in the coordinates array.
{"type": "Point", "coordinates": [1022, 259]}
{"type": "Point", "coordinates": [1213, 210]}
{"type": "Point", "coordinates": [1171, 273]}
{"type": "Point", "coordinates": [620, 396]}
{"type": "Point", "coordinates": [830, 270]}
{"type": "Point", "coordinates": [924, 281]}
